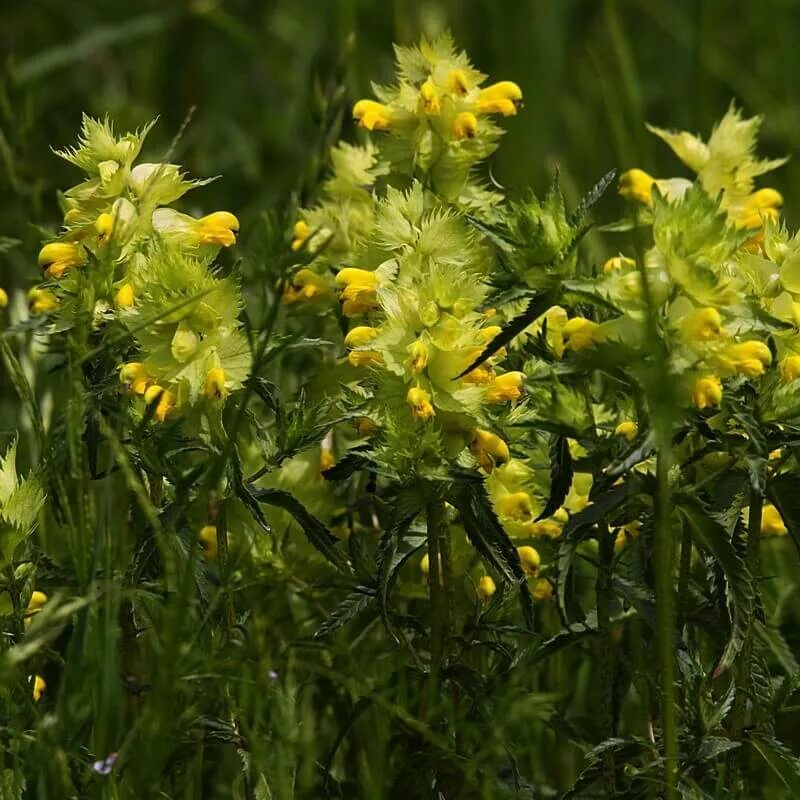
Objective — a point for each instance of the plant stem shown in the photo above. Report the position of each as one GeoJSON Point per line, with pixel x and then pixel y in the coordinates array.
{"type": "Point", "coordinates": [683, 577]}
{"type": "Point", "coordinates": [439, 587]}
{"type": "Point", "coordinates": [745, 660]}
{"type": "Point", "coordinates": [605, 652]}
{"type": "Point", "coordinates": [665, 617]}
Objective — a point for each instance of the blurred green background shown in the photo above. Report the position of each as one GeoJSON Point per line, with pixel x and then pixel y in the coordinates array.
{"type": "Point", "coordinates": [256, 73]}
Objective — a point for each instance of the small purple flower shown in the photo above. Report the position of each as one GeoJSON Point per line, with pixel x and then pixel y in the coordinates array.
{"type": "Point", "coordinates": [105, 765]}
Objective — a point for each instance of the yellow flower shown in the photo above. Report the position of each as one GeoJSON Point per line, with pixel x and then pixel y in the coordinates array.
{"type": "Point", "coordinates": [425, 565]}
{"type": "Point", "coordinates": [580, 333]}
{"type": "Point", "coordinates": [42, 301]}
{"type": "Point", "coordinates": [215, 384]}
{"type": "Point", "coordinates": [364, 358]}
{"type": "Point", "coordinates": [57, 257]}
{"type": "Point", "coordinates": [163, 398]}
{"type": "Point", "coordinates": [516, 506]}
{"type": "Point", "coordinates": [418, 356]}
{"type": "Point", "coordinates": [505, 387]}
{"type": "Point", "coordinates": [748, 358]}
{"type": "Point", "coordinates": [543, 590]}
{"type": "Point", "coordinates": [39, 687]}
{"type": "Point", "coordinates": [429, 97]}
{"type": "Point", "coordinates": [420, 402]}
{"type": "Point", "coordinates": [707, 392]}
{"type": "Point", "coordinates": [530, 559]}
{"type": "Point", "coordinates": [371, 115]}
{"type": "Point", "coordinates": [489, 449]}
{"type": "Point", "coordinates": [562, 515]}
{"type": "Point", "coordinates": [207, 539]}
{"type": "Point", "coordinates": [702, 325]}
{"type": "Point", "coordinates": [135, 377]}
{"type": "Point", "coordinates": [305, 285]}
{"type": "Point", "coordinates": [772, 523]}
{"type": "Point", "coordinates": [759, 206]}
{"type": "Point", "coordinates": [457, 82]}
{"type": "Point", "coordinates": [618, 263]}
{"type": "Point", "coordinates": [326, 458]}
{"type": "Point", "coordinates": [545, 527]}
{"type": "Point", "coordinates": [360, 335]}
{"type": "Point", "coordinates": [790, 368]}
{"type": "Point", "coordinates": [627, 429]}
{"type": "Point", "coordinates": [360, 290]}
{"type": "Point", "coordinates": [626, 534]}
{"type": "Point", "coordinates": [486, 589]}
{"type": "Point", "coordinates": [104, 225]}
{"type": "Point", "coordinates": [3, 298]}
{"type": "Point", "coordinates": [301, 232]}
{"type": "Point", "coordinates": [219, 228]}
{"type": "Point", "coordinates": [465, 125]}
{"type": "Point", "coordinates": [503, 98]}
{"type": "Point", "coordinates": [636, 184]}
{"type": "Point", "coordinates": [124, 298]}
{"type": "Point", "coordinates": [774, 455]}
{"type": "Point", "coordinates": [479, 376]}
{"type": "Point", "coordinates": [38, 599]}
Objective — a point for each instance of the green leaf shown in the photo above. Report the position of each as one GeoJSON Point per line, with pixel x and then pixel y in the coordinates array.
{"type": "Point", "coordinates": [560, 475]}
{"type": "Point", "coordinates": [315, 531]}
{"type": "Point", "coordinates": [712, 536]}
{"type": "Point", "coordinates": [590, 198]}
{"type": "Point", "coordinates": [780, 759]}
{"type": "Point", "coordinates": [357, 601]}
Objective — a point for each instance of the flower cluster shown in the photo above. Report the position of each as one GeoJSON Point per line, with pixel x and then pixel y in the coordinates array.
{"type": "Point", "coordinates": [124, 256]}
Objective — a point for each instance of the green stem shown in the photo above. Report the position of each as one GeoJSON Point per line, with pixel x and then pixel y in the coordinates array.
{"type": "Point", "coordinates": [745, 660]}
{"type": "Point", "coordinates": [683, 577]}
{"type": "Point", "coordinates": [605, 652]}
{"type": "Point", "coordinates": [663, 552]}
{"type": "Point", "coordinates": [439, 560]}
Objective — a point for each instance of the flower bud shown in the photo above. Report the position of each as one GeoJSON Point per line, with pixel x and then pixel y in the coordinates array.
{"type": "Point", "coordinates": [301, 232]}
{"type": "Point", "coordinates": [505, 387]}
{"type": "Point", "coordinates": [371, 115]}
{"type": "Point", "coordinates": [420, 402]}
{"type": "Point", "coordinates": [56, 258]}
{"type": "Point", "coordinates": [465, 125]}
{"type": "Point", "coordinates": [790, 368]}
{"type": "Point", "coordinates": [104, 225]}
{"type": "Point", "coordinates": [636, 184]}
{"type": "Point", "coordinates": [772, 523]}
{"type": "Point", "coordinates": [457, 83]}
{"type": "Point", "coordinates": [207, 539]}
{"type": "Point", "coordinates": [124, 298]}
{"type": "Point", "coordinates": [429, 98]}
{"type": "Point", "coordinates": [219, 228]}
{"type": "Point", "coordinates": [134, 375]}
{"type": "Point", "coordinates": [418, 356]}
{"type": "Point", "coordinates": [489, 449]}
{"type": "Point", "coordinates": [486, 589]}
{"type": "Point", "coordinates": [39, 687]}
{"type": "Point", "coordinates": [215, 384]}
{"type": "Point", "coordinates": [707, 392]}
{"type": "Point", "coordinates": [3, 299]}
{"type": "Point", "coordinates": [627, 430]}
{"type": "Point", "coordinates": [360, 335]}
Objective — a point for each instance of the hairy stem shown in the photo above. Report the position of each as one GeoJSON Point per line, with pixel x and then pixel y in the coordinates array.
{"type": "Point", "coordinates": [663, 552]}
{"type": "Point", "coordinates": [605, 651]}
{"type": "Point", "coordinates": [439, 587]}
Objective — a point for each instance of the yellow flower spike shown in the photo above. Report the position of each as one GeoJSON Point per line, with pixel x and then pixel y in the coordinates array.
{"type": "Point", "coordinates": [207, 539]}
{"type": "Point", "coordinates": [3, 299]}
{"type": "Point", "coordinates": [636, 184]}
{"type": "Point", "coordinates": [42, 301]}
{"type": "Point", "coordinates": [516, 506]}
{"type": "Point", "coordinates": [429, 97]}
{"type": "Point", "coordinates": [135, 377]}
{"type": "Point", "coordinates": [456, 82]}
{"type": "Point", "coordinates": [420, 402]}
{"type": "Point", "coordinates": [707, 392]}
{"type": "Point", "coordinates": [300, 232]}
{"type": "Point", "coordinates": [104, 225]}
{"type": "Point", "coordinates": [124, 298]}
{"type": "Point", "coordinates": [489, 449]}
{"type": "Point", "coordinates": [39, 688]}
{"type": "Point", "coordinates": [326, 458]}
{"type": "Point", "coordinates": [503, 98]}
{"type": "Point", "coordinates": [371, 115]}
{"type": "Point", "coordinates": [543, 590]}
{"type": "Point", "coordinates": [58, 257]}
{"type": "Point", "coordinates": [627, 430]}
{"type": "Point", "coordinates": [360, 335]}
{"type": "Point", "coordinates": [618, 263]}
{"type": "Point", "coordinates": [505, 387]}
{"type": "Point", "coordinates": [485, 589]}
{"type": "Point", "coordinates": [215, 384]}
{"type": "Point", "coordinates": [772, 523]}
{"type": "Point", "coordinates": [418, 356]}
{"type": "Point", "coordinates": [219, 228]}
{"type": "Point", "coordinates": [163, 398]}
{"type": "Point", "coordinates": [529, 559]}
{"type": "Point", "coordinates": [750, 358]}
{"type": "Point", "coordinates": [364, 358]}
{"type": "Point", "coordinates": [703, 325]}
{"type": "Point", "coordinates": [465, 125]}
{"type": "Point", "coordinates": [579, 334]}
{"type": "Point", "coordinates": [790, 368]}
